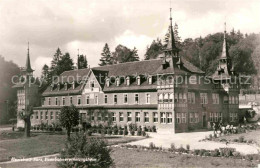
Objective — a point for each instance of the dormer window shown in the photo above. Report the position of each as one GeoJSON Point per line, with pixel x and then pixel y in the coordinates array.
{"type": "Point", "coordinates": [150, 80]}
{"type": "Point", "coordinates": [107, 82]}
{"type": "Point", "coordinates": [73, 85]}
{"type": "Point", "coordinates": [117, 81]}
{"type": "Point", "coordinates": [128, 81]}
{"type": "Point", "coordinates": [138, 80]}
{"type": "Point", "coordinates": [52, 87]}
{"type": "Point", "coordinates": [92, 85]}
{"type": "Point", "coordinates": [58, 86]}
{"type": "Point", "coordinates": [66, 86]}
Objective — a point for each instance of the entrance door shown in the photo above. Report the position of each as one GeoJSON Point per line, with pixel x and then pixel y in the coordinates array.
{"type": "Point", "coordinates": [204, 121]}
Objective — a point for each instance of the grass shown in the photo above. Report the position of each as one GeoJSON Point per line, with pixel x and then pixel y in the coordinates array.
{"type": "Point", "coordinates": [15, 145]}
{"type": "Point", "coordinates": [140, 158]}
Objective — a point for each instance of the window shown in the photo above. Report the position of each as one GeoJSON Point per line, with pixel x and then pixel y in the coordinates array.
{"type": "Point", "coordinates": [56, 101]}
{"type": "Point", "coordinates": [125, 98]}
{"type": "Point", "coordinates": [230, 99]}
{"type": "Point", "coordinates": [71, 101]}
{"type": "Point", "coordinates": [225, 101]}
{"type": "Point", "coordinates": [183, 118]}
{"type": "Point", "coordinates": [215, 98]}
{"type": "Point", "coordinates": [79, 100]}
{"type": "Point", "coordinates": [191, 97]}
{"type": "Point", "coordinates": [176, 97]}
{"type": "Point", "coordinates": [165, 98]}
{"type": "Point", "coordinates": [49, 101]}
{"type": "Point", "coordinates": [117, 81]}
{"type": "Point", "coordinates": [203, 98]}
{"type": "Point", "coordinates": [220, 116]}
{"type": "Point", "coordinates": [184, 98]}
{"type": "Point", "coordinates": [138, 80]}
{"type": "Point", "coordinates": [233, 99]}
{"type": "Point", "coordinates": [107, 82]}
{"type": "Point", "coordinates": [211, 117]}
{"type": "Point", "coordinates": [171, 98]}
{"type": "Point", "coordinates": [136, 98]}
{"type": "Point", "coordinates": [155, 117]}
{"type": "Point", "coordinates": [196, 117]}
{"type": "Point", "coordinates": [57, 115]}
{"type": "Point", "coordinates": [150, 80]}
{"type": "Point", "coordinates": [160, 98]}
{"type": "Point", "coordinates": [191, 117]}
{"type": "Point", "coordinates": [92, 116]}
{"type": "Point", "coordinates": [180, 97]}
{"type": "Point", "coordinates": [92, 85]}
{"type": "Point", "coordinates": [105, 97]}
{"type": "Point", "coordinates": [216, 117]}
{"type": "Point", "coordinates": [46, 115]}
{"type": "Point", "coordinates": [169, 117]}
{"type": "Point", "coordinates": [137, 116]}
{"type": "Point", "coordinates": [99, 117]}
{"type": "Point", "coordinates": [235, 116]}
{"type": "Point", "coordinates": [121, 116]}
{"type": "Point", "coordinates": [127, 81]}
{"type": "Point", "coordinates": [87, 99]}
{"type": "Point", "coordinates": [96, 99]}
{"type": "Point", "coordinates": [178, 118]}
{"type": "Point", "coordinates": [146, 117]}
{"type": "Point", "coordinates": [66, 86]}
{"type": "Point", "coordinates": [129, 116]}
{"type": "Point", "coordinates": [148, 98]}
{"type": "Point", "coordinates": [237, 100]}
{"type": "Point", "coordinates": [115, 99]}
{"type": "Point", "coordinates": [113, 116]}
{"type": "Point", "coordinates": [163, 117]}
{"type": "Point", "coordinates": [41, 115]}
{"type": "Point", "coordinates": [231, 117]}
{"type": "Point", "coordinates": [37, 115]}
{"type": "Point", "coordinates": [63, 101]}
{"type": "Point", "coordinates": [51, 115]}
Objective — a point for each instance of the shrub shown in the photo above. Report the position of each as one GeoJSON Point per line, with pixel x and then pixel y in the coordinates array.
{"type": "Point", "coordinates": [20, 129]}
{"type": "Point", "coordinates": [115, 131]}
{"type": "Point", "coordinates": [151, 145]}
{"type": "Point", "coordinates": [143, 133]}
{"type": "Point", "coordinates": [125, 132]}
{"type": "Point", "coordinates": [226, 151]}
{"type": "Point", "coordinates": [188, 147]}
{"type": "Point", "coordinates": [145, 129]}
{"type": "Point", "coordinates": [109, 131]}
{"type": "Point", "coordinates": [120, 132]}
{"type": "Point", "coordinates": [154, 128]}
{"type": "Point", "coordinates": [215, 153]}
{"type": "Point", "coordinates": [196, 151]}
{"type": "Point", "coordinates": [223, 140]}
{"type": "Point", "coordinates": [99, 131]}
{"type": "Point", "coordinates": [250, 141]}
{"type": "Point", "coordinates": [215, 136]}
{"type": "Point", "coordinates": [182, 150]}
{"type": "Point", "coordinates": [241, 139]}
{"type": "Point", "coordinates": [173, 146]}
{"type": "Point", "coordinates": [235, 140]}
{"type": "Point", "coordinates": [210, 136]}
{"type": "Point", "coordinates": [132, 132]}
{"type": "Point", "coordinates": [206, 153]}
{"type": "Point", "coordinates": [139, 131]}
{"type": "Point", "coordinates": [104, 131]}
{"type": "Point", "coordinates": [236, 155]}
{"type": "Point", "coordinates": [202, 151]}
{"type": "Point", "coordinates": [149, 129]}
{"type": "Point", "coordinates": [94, 148]}
{"type": "Point", "coordinates": [89, 132]}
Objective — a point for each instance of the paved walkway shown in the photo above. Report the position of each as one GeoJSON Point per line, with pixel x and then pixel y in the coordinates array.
{"type": "Point", "coordinates": [164, 139]}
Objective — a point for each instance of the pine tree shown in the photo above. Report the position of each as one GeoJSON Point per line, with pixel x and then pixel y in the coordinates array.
{"type": "Point", "coordinates": [106, 58]}
{"type": "Point", "coordinates": [177, 38]}
{"type": "Point", "coordinates": [154, 49]}
{"type": "Point", "coordinates": [64, 64]}
{"type": "Point", "coordinates": [134, 55]}
{"type": "Point", "coordinates": [56, 58]}
{"type": "Point", "coordinates": [46, 73]}
{"type": "Point", "coordinates": [82, 62]}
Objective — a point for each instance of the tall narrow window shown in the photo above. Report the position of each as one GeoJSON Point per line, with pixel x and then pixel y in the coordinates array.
{"type": "Point", "coordinates": [99, 117]}
{"type": "Point", "coordinates": [137, 116]}
{"type": "Point", "coordinates": [46, 115]}
{"type": "Point", "coordinates": [105, 99]}
{"type": "Point", "coordinates": [96, 99]}
{"type": "Point", "coordinates": [183, 118]}
{"type": "Point", "coordinates": [125, 98]}
{"type": "Point", "coordinates": [57, 115]}
{"type": "Point", "coordinates": [184, 97]}
{"type": "Point", "coordinates": [203, 98]}
{"type": "Point", "coordinates": [79, 100]}
{"type": "Point", "coordinates": [117, 81]}
{"type": "Point", "coordinates": [41, 115]}
{"type": "Point", "coordinates": [169, 117]}
{"type": "Point", "coordinates": [56, 101]}
{"type": "Point", "coordinates": [148, 98]}
{"type": "Point", "coordinates": [92, 85]}
{"type": "Point", "coordinates": [211, 117]}
{"type": "Point", "coordinates": [63, 101]}
{"type": "Point", "coordinates": [87, 99]}
{"type": "Point", "coordinates": [71, 101]}
{"type": "Point", "coordinates": [129, 116]}
{"type": "Point", "coordinates": [178, 117]}
{"type": "Point", "coordinates": [150, 80]}
{"type": "Point", "coordinates": [225, 100]}
{"type": "Point", "coordinates": [107, 82]}
{"type": "Point", "coordinates": [115, 99]}
{"type": "Point", "coordinates": [121, 116]}
{"type": "Point", "coordinates": [146, 117]}
{"type": "Point", "coordinates": [191, 117]}
{"type": "Point", "coordinates": [138, 80]}
{"type": "Point", "coordinates": [166, 97]}
{"type": "Point", "coordinates": [180, 97]}
{"type": "Point", "coordinates": [49, 101]}
{"type": "Point", "coordinates": [113, 116]}
{"type": "Point", "coordinates": [176, 98]}
{"type": "Point", "coordinates": [37, 115]}
{"type": "Point", "coordinates": [196, 118]}
{"type": "Point", "coordinates": [128, 81]}
{"type": "Point", "coordinates": [160, 98]}
{"type": "Point", "coordinates": [216, 117]}
{"type": "Point", "coordinates": [163, 117]}
{"type": "Point", "coordinates": [136, 98]}
{"type": "Point", "coordinates": [51, 115]}
{"type": "Point", "coordinates": [155, 117]}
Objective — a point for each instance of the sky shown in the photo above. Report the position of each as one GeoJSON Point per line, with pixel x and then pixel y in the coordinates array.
{"type": "Point", "coordinates": [88, 24]}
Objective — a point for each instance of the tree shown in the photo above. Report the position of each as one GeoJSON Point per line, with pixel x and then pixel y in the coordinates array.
{"type": "Point", "coordinates": [82, 62]}
{"type": "Point", "coordinates": [54, 63]}
{"type": "Point", "coordinates": [177, 38]}
{"type": "Point", "coordinates": [69, 117]}
{"type": "Point", "coordinates": [25, 115]}
{"type": "Point", "coordinates": [65, 64]}
{"type": "Point", "coordinates": [106, 58]}
{"type": "Point", "coordinates": [123, 54]}
{"type": "Point", "coordinates": [154, 50]}
{"type": "Point", "coordinates": [80, 146]}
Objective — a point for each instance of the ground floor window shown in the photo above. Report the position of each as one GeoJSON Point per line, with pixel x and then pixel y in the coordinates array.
{"type": "Point", "coordinates": [51, 115]}
{"type": "Point", "coordinates": [196, 117]}
{"type": "Point", "coordinates": [191, 117]}
{"type": "Point", "coordinates": [233, 117]}
{"type": "Point", "coordinates": [169, 117]}
{"type": "Point", "coordinates": [129, 116]}
{"type": "Point", "coordinates": [155, 117]}
{"type": "Point", "coordinates": [46, 115]}
{"type": "Point", "coordinates": [121, 116]}
{"type": "Point", "coordinates": [146, 117]}
{"type": "Point", "coordinates": [183, 118]}
{"type": "Point", "coordinates": [216, 117]}
{"type": "Point", "coordinates": [137, 116]}
{"type": "Point", "coordinates": [57, 115]}
{"type": "Point", "coordinates": [37, 115]}
{"type": "Point", "coordinates": [178, 117]}
{"type": "Point", "coordinates": [211, 117]}
{"type": "Point", "coordinates": [163, 117]}
{"type": "Point", "coordinates": [41, 115]}
{"type": "Point", "coordinates": [99, 117]}
{"type": "Point", "coordinates": [113, 117]}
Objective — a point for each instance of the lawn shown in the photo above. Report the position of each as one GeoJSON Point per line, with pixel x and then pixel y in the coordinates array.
{"type": "Point", "coordinates": [13, 144]}
{"type": "Point", "coordinates": [139, 158]}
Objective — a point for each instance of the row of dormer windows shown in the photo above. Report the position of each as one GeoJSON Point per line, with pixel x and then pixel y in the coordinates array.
{"type": "Point", "coordinates": [128, 80]}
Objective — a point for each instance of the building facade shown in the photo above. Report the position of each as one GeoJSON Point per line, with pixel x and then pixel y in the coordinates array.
{"type": "Point", "coordinates": [169, 92]}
